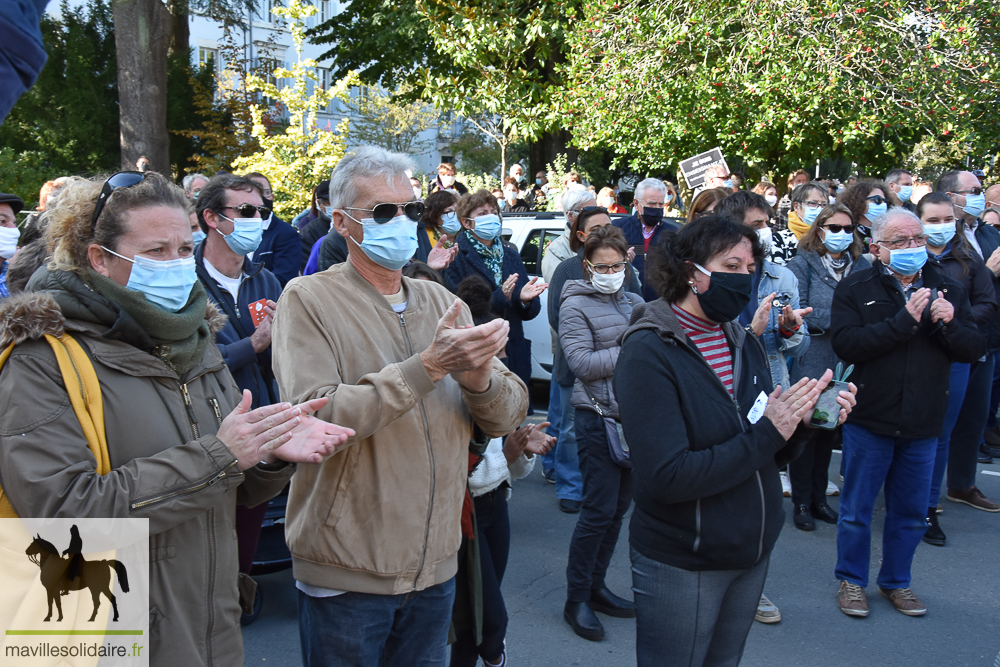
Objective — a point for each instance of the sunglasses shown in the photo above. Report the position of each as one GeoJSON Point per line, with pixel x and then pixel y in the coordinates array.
{"type": "Point", "coordinates": [836, 229]}
{"type": "Point", "coordinates": [247, 210]}
{"type": "Point", "coordinates": [876, 199]}
{"type": "Point", "coordinates": [971, 191]}
{"type": "Point", "coordinates": [383, 213]}
{"type": "Point", "coordinates": [123, 179]}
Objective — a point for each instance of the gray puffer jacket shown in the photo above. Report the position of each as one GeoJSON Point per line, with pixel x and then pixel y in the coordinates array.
{"type": "Point", "coordinates": [589, 325]}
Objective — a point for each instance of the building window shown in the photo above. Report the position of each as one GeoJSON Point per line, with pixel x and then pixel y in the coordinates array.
{"type": "Point", "coordinates": [324, 11]}
{"type": "Point", "coordinates": [207, 58]}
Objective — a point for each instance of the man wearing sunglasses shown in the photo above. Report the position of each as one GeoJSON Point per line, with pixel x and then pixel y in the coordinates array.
{"type": "Point", "coordinates": [375, 530]}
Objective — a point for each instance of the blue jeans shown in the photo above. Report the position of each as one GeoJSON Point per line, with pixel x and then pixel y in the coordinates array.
{"type": "Point", "coordinates": [363, 629]}
{"type": "Point", "coordinates": [956, 396]}
{"type": "Point", "coordinates": [569, 481]}
{"type": "Point", "coordinates": [555, 422]}
{"type": "Point", "coordinates": [688, 618]}
{"type": "Point", "coordinates": [905, 467]}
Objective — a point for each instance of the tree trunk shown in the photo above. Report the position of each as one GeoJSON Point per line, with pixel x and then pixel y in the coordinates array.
{"type": "Point", "coordinates": [180, 37]}
{"type": "Point", "coordinates": [543, 151]}
{"type": "Point", "coordinates": [142, 38]}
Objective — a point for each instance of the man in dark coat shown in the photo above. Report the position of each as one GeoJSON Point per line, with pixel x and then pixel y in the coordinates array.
{"type": "Point", "coordinates": [643, 229]}
{"type": "Point", "coordinates": [280, 247]}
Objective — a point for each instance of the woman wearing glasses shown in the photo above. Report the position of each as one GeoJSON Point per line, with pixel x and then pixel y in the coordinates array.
{"type": "Point", "coordinates": [481, 251]}
{"type": "Point", "coordinates": [950, 251]}
{"type": "Point", "coordinates": [828, 253]}
{"type": "Point", "coordinates": [183, 448]}
{"type": "Point", "coordinates": [867, 200]}
{"type": "Point", "coordinates": [807, 201]}
{"type": "Point", "coordinates": [594, 311]}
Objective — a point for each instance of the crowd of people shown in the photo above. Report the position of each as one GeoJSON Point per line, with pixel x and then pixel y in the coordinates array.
{"type": "Point", "coordinates": [708, 360]}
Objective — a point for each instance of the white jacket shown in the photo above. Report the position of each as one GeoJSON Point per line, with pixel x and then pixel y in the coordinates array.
{"type": "Point", "coordinates": [557, 251]}
{"type": "Point", "coordinates": [493, 470]}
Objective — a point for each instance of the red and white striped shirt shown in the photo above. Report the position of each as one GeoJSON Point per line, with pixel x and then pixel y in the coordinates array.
{"type": "Point", "coordinates": [711, 342]}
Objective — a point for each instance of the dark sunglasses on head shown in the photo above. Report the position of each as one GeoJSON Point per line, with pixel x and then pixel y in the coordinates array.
{"type": "Point", "coordinates": [383, 213]}
{"type": "Point", "coordinates": [840, 228]}
{"type": "Point", "coordinates": [123, 179]}
{"type": "Point", "coordinates": [876, 199]}
{"type": "Point", "coordinates": [247, 210]}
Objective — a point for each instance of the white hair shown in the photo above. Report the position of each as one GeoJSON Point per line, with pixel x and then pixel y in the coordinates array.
{"type": "Point", "coordinates": [649, 184]}
{"type": "Point", "coordinates": [366, 162]}
{"type": "Point", "coordinates": [575, 195]}
{"type": "Point", "coordinates": [515, 166]}
{"type": "Point", "coordinates": [879, 223]}
{"type": "Point", "coordinates": [190, 178]}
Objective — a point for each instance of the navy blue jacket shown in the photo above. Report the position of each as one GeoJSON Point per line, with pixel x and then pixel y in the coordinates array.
{"type": "Point", "coordinates": [250, 370]}
{"type": "Point", "coordinates": [279, 250]}
{"type": "Point", "coordinates": [632, 229]}
{"type": "Point", "coordinates": [468, 262]}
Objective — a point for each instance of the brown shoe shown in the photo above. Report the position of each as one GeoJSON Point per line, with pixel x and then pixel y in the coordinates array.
{"type": "Point", "coordinates": [904, 601]}
{"type": "Point", "coordinates": [852, 599]}
{"type": "Point", "coordinates": [973, 497]}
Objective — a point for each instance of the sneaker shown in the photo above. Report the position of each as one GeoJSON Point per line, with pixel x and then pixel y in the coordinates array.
{"type": "Point", "coordinates": [852, 600]}
{"type": "Point", "coordinates": [767, 612]}
{"type": "Point", "coordinates": [934, 535]}
{"type": "Point", "coordinates": [549, 475]}
{"type": "Point", "coordinates": [939, 509]}
{"type": "Point", "coordinates": [786, 484]}
{"type": "Point", "coordinates": [983, 454]}
{"type": "Point", "coordinates": [973, 497]}
{"type": "Point", "coordinates": [904, 601]}
{"type": "Point", "coordinates": [832, 489]}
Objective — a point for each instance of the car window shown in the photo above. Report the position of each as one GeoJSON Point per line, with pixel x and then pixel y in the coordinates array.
{"type": "Point", "coordinates": [531, 252]}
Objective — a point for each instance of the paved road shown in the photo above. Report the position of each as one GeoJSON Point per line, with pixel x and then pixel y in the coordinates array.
{"type": "Point", "coordinates": [960, 584]}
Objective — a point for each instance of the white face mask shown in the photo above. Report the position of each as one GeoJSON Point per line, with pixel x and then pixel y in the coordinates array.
{"type": "Point", "coordinates": [771, 199]}
{"type": "Point", "coordinates": [766, 237]}
{"type": "Point", "coordinates": [9, 236]}
{"type": "Point", "coordinates": [607, 283]}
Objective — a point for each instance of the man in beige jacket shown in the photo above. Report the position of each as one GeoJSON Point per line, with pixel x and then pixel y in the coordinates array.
{"type": "Point", "coordinates": [374, 531]}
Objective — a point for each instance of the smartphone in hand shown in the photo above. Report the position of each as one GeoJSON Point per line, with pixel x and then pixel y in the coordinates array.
{"type": "Point", "coordinates": [827, 412]}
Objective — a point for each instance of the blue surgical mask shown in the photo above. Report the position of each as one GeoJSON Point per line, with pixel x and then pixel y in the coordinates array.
{"type": "Point", "coordinates": [727, 184]}
{"type": "Point", "coordinates": [907, 261]}
{"type": "Point", "coordinates": [905, 192]}
{"type": "Point", "coordinates": [487, 227]}
{"type": "Point", "coordinates": [246, 235]}
{"type": "Point", "coordinates": [809, 214]}
{"type": "Point", "coordinates": [450, 223]}
{"type": "Point", "coordinates": [538, 181]}
{"type": "Point", "coordinates": [198, 236]}
{"type": "Point", "coordinates": [940, 235]}
{"type": "Point", "coordinates": [328, 210]}
{"type": "Point", "coordinates": [875, 210]}
{"type": "Point", "coordinates": [975, 205]}
{"type": "Point", "coordinates": [164, 283]}
{"type": "Point", "coordinates": [390, 244]}
{"type": "Point", "coordinates": [837, 242]}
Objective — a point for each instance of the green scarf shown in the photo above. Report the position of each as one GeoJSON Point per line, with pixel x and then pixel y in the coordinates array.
{"type": "Point", "coordinates": [178, 339]}
{"type": "Point", "coordinates": [492, 256]}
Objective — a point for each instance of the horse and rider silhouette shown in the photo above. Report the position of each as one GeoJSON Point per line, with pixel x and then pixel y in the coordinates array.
{"type": "Point", "coordinates": [61, 575]}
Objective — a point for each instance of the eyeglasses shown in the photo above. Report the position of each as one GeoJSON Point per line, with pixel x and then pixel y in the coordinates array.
{"type": "Point", "coordinates": [911, 242]}
{"type": "Point", "coordinates": [247, 210]}
{"type": "Point", "coordinates": [603, 269]}
{"type": "Point", "coordinates": [123, 179]}
{"type": "Point", "coordinates": [971, 191]}
{"type": "Point", "coordinates": [836, 229]}
{"type": "Point", "coordinates": [818, 204]}
{"type": "Point", "coordinates": [383, 213]}
{"type": "Point", "coordinates": [876, 199]}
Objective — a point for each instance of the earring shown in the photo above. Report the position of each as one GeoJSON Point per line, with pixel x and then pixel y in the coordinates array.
{"type": "Point", "coordinates": [693, 287]}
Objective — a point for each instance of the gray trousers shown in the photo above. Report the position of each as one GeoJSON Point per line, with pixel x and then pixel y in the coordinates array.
{"type": "Point", "coordinates": [693, 619]}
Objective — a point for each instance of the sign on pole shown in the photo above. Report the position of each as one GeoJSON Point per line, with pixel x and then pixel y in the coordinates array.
{"type": "Point", "coordinates": [694, 168]}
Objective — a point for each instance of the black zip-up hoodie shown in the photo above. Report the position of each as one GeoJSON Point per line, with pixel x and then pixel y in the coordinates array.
{"type": "Point", "coordinates": [705, 480]}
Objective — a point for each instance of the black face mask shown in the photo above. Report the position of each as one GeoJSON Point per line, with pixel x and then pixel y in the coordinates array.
{"type": "Point", "coordinates": [269, 203]}
{"type": "Point", "coordinates": [652, 216]}
{"type": "Point", "coordinates": [727, 295]}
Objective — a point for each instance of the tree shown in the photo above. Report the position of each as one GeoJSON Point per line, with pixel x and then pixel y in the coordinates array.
{"type": "Point", "coordinates": [388, 120]}
{"type": "Point", "coordinates": [779, 83]}
{"type": "Point", "coordinates": [298, 156]}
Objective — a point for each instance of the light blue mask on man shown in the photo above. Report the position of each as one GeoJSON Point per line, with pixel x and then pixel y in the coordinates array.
{"type": "Point", "coordinates": [246, 235]}
{"type": "Point", "coordinates": [389, 244]}
{"type": "Point", "coordinates": [905, 192]}
{"type": "Point", "coordinates": [165, 283]}
{"type": "Point", "coordinates": [907, 261]}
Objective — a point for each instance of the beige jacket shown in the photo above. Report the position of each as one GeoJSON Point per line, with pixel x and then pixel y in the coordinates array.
{"type": "Point", "coordinates": [383, 514]}
{"type": "Point", "coordinates": [167, 466]}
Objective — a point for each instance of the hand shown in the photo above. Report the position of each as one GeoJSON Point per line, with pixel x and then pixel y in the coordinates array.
{"type": "Point", "coordinates": [508, 285]}
{"type": "Point", "coordinates": [631, 253]}
{"type": "Point", "coordinates": [252, 435]}
{"type": "Point", "coordinates": [786, 409]}
{"type": "Point", "coordinates": [847, 400]}
{"type": "Point", "coordinates": [790, 319]}
{"type": "Point", "coordinates": [440, 257]}
{"type": "Point", "coordinates": [763, 314]}
{"type": "Point", "coordinates": [942, 310]}
{"type": "Point", "coordinates": [463, 349]}
{"type": "Point", "coordinates": [313, 440]}
{"type": "Point", "coordinates": [993, 262]}
{"type": "Point", "coordinates": [531, 438]}
{"type": "Point", "coordinates": [532, 290]}
{"type": "Point", "coordinates": [261, 338]}
{"type": "Point", "coordinates": [918, 301]}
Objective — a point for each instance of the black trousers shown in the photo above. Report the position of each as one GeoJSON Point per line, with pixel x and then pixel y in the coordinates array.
{"type": "Point", "coordinates": [809, 473]}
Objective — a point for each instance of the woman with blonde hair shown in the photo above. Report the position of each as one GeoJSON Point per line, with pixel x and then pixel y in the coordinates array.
{"type": "Point", "coordinates": [607, 198]}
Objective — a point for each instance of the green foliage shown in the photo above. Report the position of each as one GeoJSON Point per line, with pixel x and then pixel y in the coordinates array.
{"type": "Point", "coordinates": [300, 154]}
{"type": "Point", "coordinates": [477, 153]}
{"type": "Point", "coordinates": [386, 119]}
{"type": "Point", "coordinates": [184, 118]}
{"type": "Point", "coordinates": [476, 182]}
{"type": "Point", "coordinates": [68, 122]}
{"type": "Point", "coordinates": [930, 158]}
{"type": "Point", "coordinates": [23, 173]}
{"type": "Point", "coordinates": [781, 82]}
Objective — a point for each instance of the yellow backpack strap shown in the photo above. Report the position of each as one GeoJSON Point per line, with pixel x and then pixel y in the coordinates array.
{"type": "Point", "coordinates": [84, 390]}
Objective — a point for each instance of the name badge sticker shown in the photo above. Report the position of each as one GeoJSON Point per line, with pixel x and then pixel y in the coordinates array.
{"type": "Point", "coordinates": [757, 411]}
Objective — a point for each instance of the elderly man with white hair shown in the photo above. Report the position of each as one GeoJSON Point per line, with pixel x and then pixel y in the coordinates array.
{"type": "Point", "coordinates": [902, 323]}
{"type": "Point", "coordinates": [643, 229]}
{"type": "Point", "coordinates": [375, 530]}
{"type": "Point", "coordinates": [193, 185]}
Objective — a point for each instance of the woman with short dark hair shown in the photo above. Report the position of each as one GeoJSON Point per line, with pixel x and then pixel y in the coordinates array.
{"type": "Point", "coordinates": [707, 436]}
